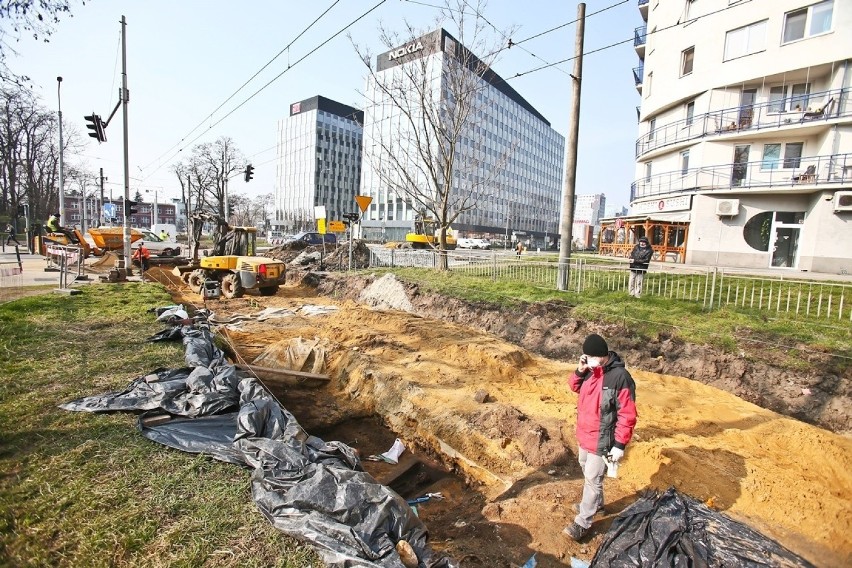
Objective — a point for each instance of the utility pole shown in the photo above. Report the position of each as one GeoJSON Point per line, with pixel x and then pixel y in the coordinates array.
{"type": "Point", "coordinates": [61, 151]}
{"type": "Point", "coordinates": [125, 95]}
{"type": "Point", "coordinates": [571, 155]}
{"type": "Point", "coordinates": [101, 210]}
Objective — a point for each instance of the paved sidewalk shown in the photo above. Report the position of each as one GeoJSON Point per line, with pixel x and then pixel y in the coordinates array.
{"type": "Point", "coordinates": [34, 274]}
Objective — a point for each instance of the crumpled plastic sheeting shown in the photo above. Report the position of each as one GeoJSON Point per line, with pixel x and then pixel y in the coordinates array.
{"type": "Point", "coordinates": [307, 488]}
{"type": "Point", "coordinates": [296, 354]}
{"type": "Point", "coordinates": [675, 530]}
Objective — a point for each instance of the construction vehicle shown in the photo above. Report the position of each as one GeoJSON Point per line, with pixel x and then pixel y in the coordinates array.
{"type": "Point", "coordinates": [103, 239]}
{"type": "Point", "coordinates": [232, 262]}
{"type": "Point", "coordinates": [426, 234]}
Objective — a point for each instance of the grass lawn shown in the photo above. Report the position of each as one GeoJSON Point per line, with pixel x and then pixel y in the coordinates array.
{"type": "Point", "coordinates": [80, 489]}
{"type": "Point", "coordinates": [728, 329]}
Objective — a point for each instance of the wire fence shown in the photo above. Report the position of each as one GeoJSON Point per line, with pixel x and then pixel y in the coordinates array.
{"type": "Point", "coordinates": [712, 287]}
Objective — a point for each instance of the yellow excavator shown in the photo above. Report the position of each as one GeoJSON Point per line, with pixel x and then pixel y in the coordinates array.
{"type": "Point", "coordinates": [232, 264]}
{"type": "Point", "coordinates": [426, 234]}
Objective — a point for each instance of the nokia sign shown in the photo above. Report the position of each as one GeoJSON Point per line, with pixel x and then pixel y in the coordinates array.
{"type": "Point", "coordinates": [405, 50]}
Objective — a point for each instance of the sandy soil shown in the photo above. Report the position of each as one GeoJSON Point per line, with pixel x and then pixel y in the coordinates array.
{"type": "Point", "coordinates": [785, 478]}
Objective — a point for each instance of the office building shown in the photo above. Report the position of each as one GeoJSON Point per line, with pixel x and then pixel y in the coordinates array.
{"type": "Point", "coordinates": [319, 163]}
{"type": "Point", "coordinates": [508, 151]}
{"type": "Point", "coordinates": [588, 211]}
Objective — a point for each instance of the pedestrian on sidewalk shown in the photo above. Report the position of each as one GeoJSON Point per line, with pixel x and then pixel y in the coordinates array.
{"type": "Point", "coordinates": [640, 260]}
{"type": "Point", "coordinates": [520, 249]}
{"type": "Point", "coordinates": [10, 230]}
{"type": "Point", "coordinates": [606, 416]}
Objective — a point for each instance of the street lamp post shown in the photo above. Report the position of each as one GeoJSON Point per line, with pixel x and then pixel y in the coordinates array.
{"type": "Point", "coordinates": [61, 165]}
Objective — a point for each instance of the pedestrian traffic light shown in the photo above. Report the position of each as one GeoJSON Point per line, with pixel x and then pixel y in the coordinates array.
{"type": "Point", "coordinates": [96, 126]}
{"type": "Point", "coordinates": [249, 172]}
{"type": "Point", "coordinates": [130, 208]}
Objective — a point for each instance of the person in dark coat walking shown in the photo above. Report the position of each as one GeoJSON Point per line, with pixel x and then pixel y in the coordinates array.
{"type": "Point", "coordinates": [640, 259]}
{"type": "Point", "coordinates": [10, 230]}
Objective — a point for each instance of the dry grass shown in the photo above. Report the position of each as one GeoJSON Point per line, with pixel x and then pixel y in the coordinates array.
{"type": "Point", "coordinates": [79, 489]}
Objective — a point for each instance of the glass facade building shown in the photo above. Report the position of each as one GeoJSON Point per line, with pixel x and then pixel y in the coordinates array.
{"type": "Point", "coordinates": [319, 162]}
{"type": "Point", "coordinates": [508, 157]}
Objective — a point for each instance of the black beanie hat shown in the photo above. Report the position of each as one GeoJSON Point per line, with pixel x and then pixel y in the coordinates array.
{"type": "Point", "coordinates": [595, 346]}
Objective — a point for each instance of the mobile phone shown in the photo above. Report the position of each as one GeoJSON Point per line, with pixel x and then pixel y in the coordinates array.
{"type": "Point", "coordinates": [584, 359]}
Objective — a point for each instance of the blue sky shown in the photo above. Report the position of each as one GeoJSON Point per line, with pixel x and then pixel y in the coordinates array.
{"type": "Point", "coordinates": [186, 57]}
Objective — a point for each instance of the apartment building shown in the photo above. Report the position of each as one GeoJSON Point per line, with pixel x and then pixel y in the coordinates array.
{"type": "Point", "coordinates": [745, 133]}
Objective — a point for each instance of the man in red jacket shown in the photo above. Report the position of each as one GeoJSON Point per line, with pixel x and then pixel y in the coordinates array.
{"type": "Point", "coordinates": [606, 415]}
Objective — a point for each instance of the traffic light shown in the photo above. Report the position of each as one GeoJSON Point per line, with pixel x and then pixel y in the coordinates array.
{"type": "Point", "coordinates": [249, 172]}
{"type": "Point", "coordinates": [96, 126]}
{"type": "Point", "coordinates": [130, 208]}
{"type": "Point", "coordinates": [350, 217]}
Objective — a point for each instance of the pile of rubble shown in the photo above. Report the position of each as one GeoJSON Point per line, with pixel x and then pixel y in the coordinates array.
{"type": "Point", "coordinates": [298, 254]}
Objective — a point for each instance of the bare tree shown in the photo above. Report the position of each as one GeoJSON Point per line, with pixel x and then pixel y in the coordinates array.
{"type": "Point", "coordinates": [31, 17]}
{"type": "Point", "coordinates": [28, 153]}
{"type": "Point", "coordinates": [427, 149]}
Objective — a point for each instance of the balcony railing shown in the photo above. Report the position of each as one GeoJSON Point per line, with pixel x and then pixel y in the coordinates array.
{"type": "Point", "coordinates": [780, 173]}
{"type": "Point", "coordinates": [640, 35]}
{"type": "Point", "coordinates": [799, 109]}
{"type": "Point", "coordinates": [638, 74]}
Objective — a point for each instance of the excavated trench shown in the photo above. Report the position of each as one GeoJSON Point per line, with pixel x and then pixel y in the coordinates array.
{"type": "Point", "coordinates": [489, 425]}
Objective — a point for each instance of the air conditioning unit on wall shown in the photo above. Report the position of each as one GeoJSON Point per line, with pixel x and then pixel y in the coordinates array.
{"type": "Point", "coordinates": [727, 207]}
{"type": "Point", "coordinates": [843, 201]}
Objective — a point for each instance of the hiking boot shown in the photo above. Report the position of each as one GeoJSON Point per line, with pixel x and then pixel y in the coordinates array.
{"type": "Point", "coordinates": [600, 510]}
{"type": "Point", "coordinates": [575, 531]}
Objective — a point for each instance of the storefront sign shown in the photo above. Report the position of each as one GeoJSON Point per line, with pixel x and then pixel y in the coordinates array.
{"type": "Point", "coordinates": [679, 203]}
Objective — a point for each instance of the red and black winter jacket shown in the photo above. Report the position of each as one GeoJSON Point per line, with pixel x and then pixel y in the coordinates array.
{"type": "Point", "coordinates": [606, 408]}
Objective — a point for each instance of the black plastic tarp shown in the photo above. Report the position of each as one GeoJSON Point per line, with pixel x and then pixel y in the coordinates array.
{"type": "Point", "coordinates": [673, 530]}
{"type": "Point", "coordinates": [308, 488]}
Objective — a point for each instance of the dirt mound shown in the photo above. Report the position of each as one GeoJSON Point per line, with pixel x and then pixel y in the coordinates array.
{"type": "Point", "coordinates": [787, 479]}
{"type": "Point", "coordinates": [821, 395]}
{"type": "Point", "coordinates": [299, 254]}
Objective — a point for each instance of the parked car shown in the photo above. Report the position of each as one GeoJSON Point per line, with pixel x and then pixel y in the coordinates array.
{"type": "Point", "coordinates": [466, 243]}
{"type": "Point", "coordinates": [315, 238]}
{"type": "Point", "coordinates": [482, 244]}
{"type": "Point", "coordinates": [156, 245]}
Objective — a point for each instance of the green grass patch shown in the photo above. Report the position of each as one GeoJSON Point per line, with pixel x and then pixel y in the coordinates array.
{"type": "Point", "coordinates": [80, 489]}
{"type": "Point", "coordinates": [731, 329]}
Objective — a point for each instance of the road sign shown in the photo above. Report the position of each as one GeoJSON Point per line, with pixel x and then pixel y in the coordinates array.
{"type": "Point", "coordinates": [363, 202]}
{"type": "Point", "coordinates": [321, 226]}
{"type": "Point", "coordinates": [336, 227]}
{"type": "Point", "coordinates": [319, 212]}
{"type": "Point", "coordinates": [109, 210]}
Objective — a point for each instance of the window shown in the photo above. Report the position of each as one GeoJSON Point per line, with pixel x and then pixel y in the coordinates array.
{"type": "Point", "coordinates": [652, 126]}
{"type": "Point", "coordinates": [686, 60]}
{"type": "Point", "coordinates": [789, 97]}
{"type": "Point", "coordinates": [809, 21]}
{"type": "Point", "coordinates": [648, 171]}
{"type": "Point", "coordinates": [793, 154]}
{"type": "Point", "coordinates": [771, 157]}
{"type": "Point", "coordinates": [646, 85]}
{"type": "Point", "coordinates": [690, 112]}
{"type": "Point", "coordinates": [684, 162]}
{"type": "Point", "coordinates": [745, 40]}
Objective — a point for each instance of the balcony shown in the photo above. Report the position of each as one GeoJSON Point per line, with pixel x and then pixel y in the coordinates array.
{"type": "Point", "coordinates": [638, 73]}
{"type": "Point", "coordinates": [780, 174]}
{"type": "Point", "coordinates": [640, 36]}
{"type": "Point", "coordinates": [643, 9]}
{"type": "Point", "coordinates": [792, 111]}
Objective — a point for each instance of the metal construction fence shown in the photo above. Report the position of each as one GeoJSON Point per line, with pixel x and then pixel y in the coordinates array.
{"type": "Point", "coordinates": [712, 287]}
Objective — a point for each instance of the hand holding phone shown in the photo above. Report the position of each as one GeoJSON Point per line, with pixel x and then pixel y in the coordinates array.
{"type": "Point", "coordinates": [583, 367]}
